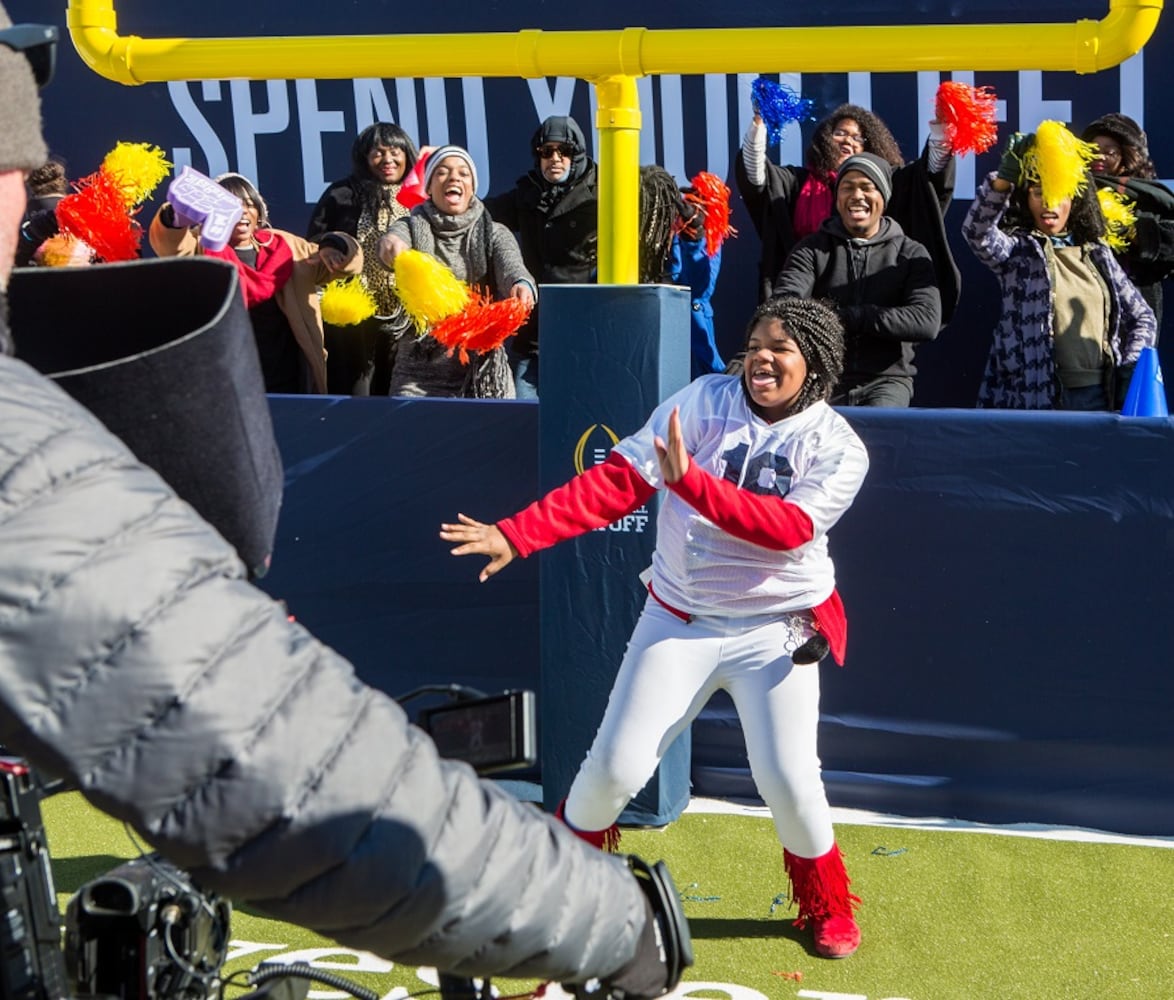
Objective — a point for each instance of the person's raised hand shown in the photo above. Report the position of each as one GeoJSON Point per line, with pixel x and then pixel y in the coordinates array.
{"type": "Point", "coordinates": [1011, 165]}
{"type": "Point", "coordinates": [674, 459]}
{"type": "Point", "coordinates": [477, 539]}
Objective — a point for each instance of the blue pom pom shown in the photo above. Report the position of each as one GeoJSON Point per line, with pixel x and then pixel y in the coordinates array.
{"type": "Point", "coordinates": [779, 105]}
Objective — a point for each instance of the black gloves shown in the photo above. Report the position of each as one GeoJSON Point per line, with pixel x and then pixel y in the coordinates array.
{"type": "Point", "coordinates": [1011, 165]}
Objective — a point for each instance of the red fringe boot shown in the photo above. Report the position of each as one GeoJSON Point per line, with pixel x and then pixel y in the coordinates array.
{"type": "Point", "coordinates": [606, 840]}
{"type": "Point", "coordinates": [819, 887]}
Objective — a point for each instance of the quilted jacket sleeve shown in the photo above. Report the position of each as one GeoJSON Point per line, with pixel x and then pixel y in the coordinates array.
{"type": "Point", "coordinates": [137, 662]}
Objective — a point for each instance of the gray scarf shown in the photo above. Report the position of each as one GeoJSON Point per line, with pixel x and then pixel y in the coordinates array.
{"type": "Point", "coordinates": [461, 242]}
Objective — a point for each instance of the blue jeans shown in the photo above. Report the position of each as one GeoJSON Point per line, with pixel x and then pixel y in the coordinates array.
{"type": "Point", "coordinates": [525, 369]}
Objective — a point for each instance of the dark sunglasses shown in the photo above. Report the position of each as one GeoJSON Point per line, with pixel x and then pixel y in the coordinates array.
{"type": "Point", "coordinates": [547, 151]}
{"type": "Point", "coordinates": [38, 44]}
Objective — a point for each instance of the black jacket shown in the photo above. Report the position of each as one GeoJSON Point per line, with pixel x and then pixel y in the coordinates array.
{"type": "Point", "coordinates": [919, 202]}
{"type": "Point", "coordinates": [1149, 257]}
{"type": "Point", "coordinates": [559, 246]}
{"type": "Point", "coordinates": [884, 290]}
{"type": "Point", "coordinates": [338, 210]}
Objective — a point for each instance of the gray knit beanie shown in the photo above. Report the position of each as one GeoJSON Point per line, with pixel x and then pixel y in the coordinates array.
{"type": "Point", "coordinates": [22, 146]}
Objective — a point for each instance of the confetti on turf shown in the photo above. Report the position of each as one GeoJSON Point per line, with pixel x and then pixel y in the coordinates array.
{"type": "Point", "coordinates": [795, 977]}
{"type": "Point", "coordinates": [884, 852]}
{"type": "Point", "coordinates": [698, 899]}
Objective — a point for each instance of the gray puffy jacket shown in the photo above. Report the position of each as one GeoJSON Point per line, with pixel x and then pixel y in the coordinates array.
{"type": "Point", "coordinates": [136, 661]}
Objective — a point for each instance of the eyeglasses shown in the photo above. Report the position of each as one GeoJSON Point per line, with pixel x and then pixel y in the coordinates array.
{"type": "Point", "coordinates": [547, 151]}
{"type": "Point", "coordinates": [853, 137]}
{"type": "Point", "coordinates": [37, 43]}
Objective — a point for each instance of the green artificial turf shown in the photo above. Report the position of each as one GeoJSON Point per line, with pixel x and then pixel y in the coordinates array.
{"type": "Point", "coordinates": [946, 915]}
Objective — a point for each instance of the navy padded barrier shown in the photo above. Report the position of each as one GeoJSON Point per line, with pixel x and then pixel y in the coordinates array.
{"type": "Point", "coordinates": [610, 356]}
{"type": "Point", "coordinates": [1007, 577]}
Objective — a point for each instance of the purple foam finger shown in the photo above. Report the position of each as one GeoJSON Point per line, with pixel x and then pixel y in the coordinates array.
{"type": "Point", "coordinates": [198, 198]}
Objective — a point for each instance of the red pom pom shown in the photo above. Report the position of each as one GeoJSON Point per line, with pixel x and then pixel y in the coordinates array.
{"type": "Point", "coordinates": [713, 198]}
{"type": "Point", "coordinates": [969, 116]}
{"type": "Point", "coordinates": [97, 215]}
{"type": "Point", "coordinates": [483, 325]}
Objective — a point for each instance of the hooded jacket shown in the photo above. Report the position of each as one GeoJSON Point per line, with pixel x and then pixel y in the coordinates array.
{"type": "Point", "coordinates": [884, 289]}
{"type": "Point", "coordinates": [556, 224]}
{"type": "Point", "coordinates": [137, 663]}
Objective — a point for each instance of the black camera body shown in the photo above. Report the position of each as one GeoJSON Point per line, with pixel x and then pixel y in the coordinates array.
{"type": "Point", "coordinates": [144, 930]}
{"type": "Point", "coordinates": [31, 964]}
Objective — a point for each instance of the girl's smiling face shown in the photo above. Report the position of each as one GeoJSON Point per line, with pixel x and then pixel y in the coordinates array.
{"type": "Point", "coordinates": [451, 188]}
{"type": "Point", "coordinates": [774, 369]}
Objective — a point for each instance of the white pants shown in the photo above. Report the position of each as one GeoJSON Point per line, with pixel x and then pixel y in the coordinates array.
{"type": "Point", "coordinates": [670, 670]}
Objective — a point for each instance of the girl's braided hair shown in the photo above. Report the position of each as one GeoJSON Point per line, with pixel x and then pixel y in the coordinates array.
{"type": "Point", "coordinates": [815, 327]}
{"type": "Point", "coordinates": [662, 209]}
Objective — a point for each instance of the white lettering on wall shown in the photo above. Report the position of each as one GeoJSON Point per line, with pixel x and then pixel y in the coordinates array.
{"type": "Point", "coordinates": [258, 112]}
{"type": "Point", "coordinates": [1132, 100]}
{"type": "Point", "coordinates": [435, 112]}
{"type": "Point", "coordinates": [372, 105]}
{"type": "Point", "coordinates": [860, 89]}
{"type": "Point", "coordinates": [672, 124]}
{"type": "Point", "coordinates": [717, 126]}
{"type": "Point", "coordinates": [547, 103]}
{"type": "Point", "coordinates": [210, 146]}
{"type": "Point", "coordinates": [248, 123]}
{"type": "Point", "coordinates": [476, 130]}
{"type": "Point", "coordinates": [313, 123]}
{"type": "Point", "coordinates": [1033, 109]}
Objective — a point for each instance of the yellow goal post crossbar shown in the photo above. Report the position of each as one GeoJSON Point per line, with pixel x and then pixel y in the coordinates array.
{"type": "Point", "coordinates": [612, 60]}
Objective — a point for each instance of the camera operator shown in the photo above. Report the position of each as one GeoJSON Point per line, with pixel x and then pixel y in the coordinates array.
{"type": "Point", "coordinates": [139, 664]}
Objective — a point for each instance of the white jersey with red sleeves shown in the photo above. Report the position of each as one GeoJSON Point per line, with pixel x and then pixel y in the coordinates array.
{"type": "Point", "coordinates": [813, 460]}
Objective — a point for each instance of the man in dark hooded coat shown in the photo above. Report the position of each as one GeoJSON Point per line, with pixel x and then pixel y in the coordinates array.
{"type": "Point", "coordinates": [554, 209]}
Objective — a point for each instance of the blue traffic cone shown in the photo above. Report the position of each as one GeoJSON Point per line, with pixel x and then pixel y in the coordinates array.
{"type": "Point", "coordinates": [1147, 392]}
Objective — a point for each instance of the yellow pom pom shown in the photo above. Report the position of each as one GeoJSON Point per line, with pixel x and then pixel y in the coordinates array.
{"type": "Point", "coordinates": [1119, 218]}
{"type": "Point", "coordinates": [428, 290]}
{"type": "Point", "coordinates": [1059, 162]}
{"type": "Point", "coordinates": [137, 168]}
{"type": "Point", "coordinates": [346, 302]}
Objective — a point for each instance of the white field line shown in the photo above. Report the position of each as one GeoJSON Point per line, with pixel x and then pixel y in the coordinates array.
{"type": "Point", "coordinates": [862, 817]}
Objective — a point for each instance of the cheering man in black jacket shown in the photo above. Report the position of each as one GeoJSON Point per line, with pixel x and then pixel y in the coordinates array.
{"type": "Point", "coordinates": [880, 280]}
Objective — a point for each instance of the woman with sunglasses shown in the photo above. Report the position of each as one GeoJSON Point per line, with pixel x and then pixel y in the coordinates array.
{"type": "Point", "coordinates": [787, 203]}
{"type": "Point", "coordinates": [554, 211]}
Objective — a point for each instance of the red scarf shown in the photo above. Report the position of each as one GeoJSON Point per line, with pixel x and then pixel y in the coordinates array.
{"type": "Point", "coordinates": [813, 205]}
{"type": "Point", "coordinates": [274, 266]}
